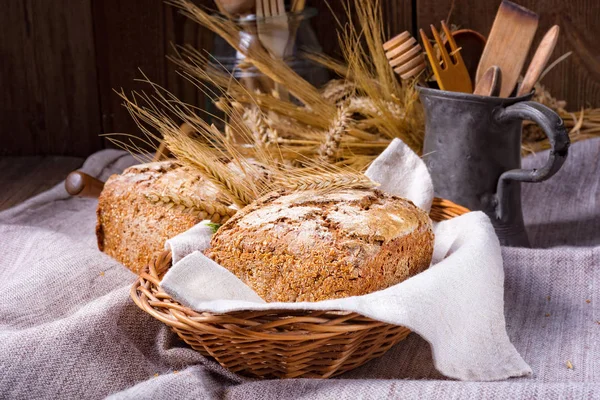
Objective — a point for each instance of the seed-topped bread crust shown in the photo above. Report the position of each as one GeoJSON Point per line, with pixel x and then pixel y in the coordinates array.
{"type": "Point", "coordinates": [311, 246]}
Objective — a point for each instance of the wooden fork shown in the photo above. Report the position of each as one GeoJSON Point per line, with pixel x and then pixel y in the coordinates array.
{"type": "Point", "coordinates": [404, 55]}
{"type": "Point", "coordinates": [452, 76]}
{"type": "Point", "coordinates": [273, 32]}
{"type": "Point", "coordinates": [273, 26]}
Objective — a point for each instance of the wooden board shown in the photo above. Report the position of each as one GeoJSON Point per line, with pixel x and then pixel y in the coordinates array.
{"type": "Point", "coordinates": [180, 30]}
{"type": "Point", "coordinates": [61, 59]}
{"type": "Point", "coordinates": [24, 177]}
{"type": "Point", "coordinates": [577, 79]}
{"type": "Point", "coordinates": [129, 39]}
{"type": "Point", "coordinates": [49, 91]}
{"type": "Point", "coordinates": [397, 14]}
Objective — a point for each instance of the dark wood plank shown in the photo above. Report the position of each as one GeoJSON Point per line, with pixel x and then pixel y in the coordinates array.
{"type": "Point", "coordinates": [179, 31]}
{"type": "Point", "coordinates": [24, 177]}
{"type": "Point", "coordinates": [397, 15]}
{"type": "Point", "coordinates": [129, 37]}
{"type": "Point", "coordinates": [577, 79]}
{"type": "Point", "coordinates": [329, 18]}
{"type": "Point", "coordinates": [49, 91]}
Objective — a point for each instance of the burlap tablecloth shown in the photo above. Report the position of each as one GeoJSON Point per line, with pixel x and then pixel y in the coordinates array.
{"type": "Point", "coordinates": [69, 330]}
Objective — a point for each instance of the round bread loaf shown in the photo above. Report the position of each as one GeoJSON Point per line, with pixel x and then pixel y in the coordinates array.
{"type": "Point", "coordinates": [311, 246]}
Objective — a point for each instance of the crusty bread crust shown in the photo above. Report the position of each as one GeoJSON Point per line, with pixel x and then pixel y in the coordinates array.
{"type": "Point", "coordinates": [147, 204]}
{"type": "Point", "coordinates": [310, 247]}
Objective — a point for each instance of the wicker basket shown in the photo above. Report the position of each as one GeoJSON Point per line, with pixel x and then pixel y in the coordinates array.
{"type": "Point", "coordinates": [276, 344]}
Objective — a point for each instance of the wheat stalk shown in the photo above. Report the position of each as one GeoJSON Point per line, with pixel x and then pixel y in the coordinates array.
{"type": "Point", "coordinates": [198, 155]}
{"type": "Point", "coordinates": [367, 73]}
{"type": "Point", "coordinates": [201, 159]}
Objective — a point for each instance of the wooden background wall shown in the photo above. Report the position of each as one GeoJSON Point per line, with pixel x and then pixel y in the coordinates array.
{"type": "Point", "coordinates": [61, 59]}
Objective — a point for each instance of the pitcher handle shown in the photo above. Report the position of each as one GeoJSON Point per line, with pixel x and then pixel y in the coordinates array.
{"type": "Point", "coordinates": [553, 127]}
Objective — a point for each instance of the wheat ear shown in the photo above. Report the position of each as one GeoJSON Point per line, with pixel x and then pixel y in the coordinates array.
{"type": "Point", "coordinates": [337, 90]}
{"type": "Point", "coordinates": [262, 131]}
{"type": "Point", "coordinates": [215, 212]}
{"type": "Point", "coordinates": [339, 125]}
{"type": "Point", "coordinates": [324, 182]}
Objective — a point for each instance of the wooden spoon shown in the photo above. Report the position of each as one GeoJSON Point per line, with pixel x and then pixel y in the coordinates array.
{"type": "Point", "coordinates": [490, 82]}
{"type": "Point", "coordinates": [539, 60]}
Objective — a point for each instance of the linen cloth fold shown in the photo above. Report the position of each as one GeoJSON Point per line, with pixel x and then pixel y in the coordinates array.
{"type": "Point", "coordinates": [457, 305]}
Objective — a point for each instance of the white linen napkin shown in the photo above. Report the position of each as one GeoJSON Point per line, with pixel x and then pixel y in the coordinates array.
{"type": "Point", "coordinates": [457, 305]}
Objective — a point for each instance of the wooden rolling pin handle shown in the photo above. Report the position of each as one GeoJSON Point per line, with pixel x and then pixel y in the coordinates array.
{"type": "Point", "coordinates": [83, 185]}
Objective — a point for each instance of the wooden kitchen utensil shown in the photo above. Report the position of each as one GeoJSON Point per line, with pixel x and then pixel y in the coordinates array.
{"type": "Point", "coordinates": [490, 82]}
{"type": "Point", "coordinates": [508, 44]}
{"type": "Point", "coordinates": [274, 32]}
{"type": "Point", "coordinates": [296, 8]}
{"type": "Point", "coordinates": [405, 55]}
{"type": "Point", "coordinates": [539, 60]}
{"type": "Point", "coordinates": [451, 76]}
{"type": "Point", "coordinates": [83, 185]}
{"type": "Point", "coordinates": [471, 44]}
{"type": "Point", "coordinates": [273, 26]}
{"type": "Point", "coordinates": [235, 7]}
{"type": "Point", "coordinates": [298, 5]}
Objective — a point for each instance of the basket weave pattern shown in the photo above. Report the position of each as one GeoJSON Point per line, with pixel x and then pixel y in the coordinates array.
{"type": "Point", "coordinates": [276, 343]}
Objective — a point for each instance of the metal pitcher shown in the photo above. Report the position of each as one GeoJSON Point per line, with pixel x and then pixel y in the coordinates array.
{"type": "Point", "coordinates": [473, 151]}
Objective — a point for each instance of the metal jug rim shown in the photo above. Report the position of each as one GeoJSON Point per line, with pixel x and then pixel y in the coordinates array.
{"type": "Point", "coordinates": [445, 94]}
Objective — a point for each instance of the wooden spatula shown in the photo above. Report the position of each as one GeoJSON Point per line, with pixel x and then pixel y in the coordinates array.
{"type": "Point", "coordinates": [508, 44]}
{"type": "Point", "coordinates": [490, 82]}
{"type": "Point", "coordinates": [539, 60]}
